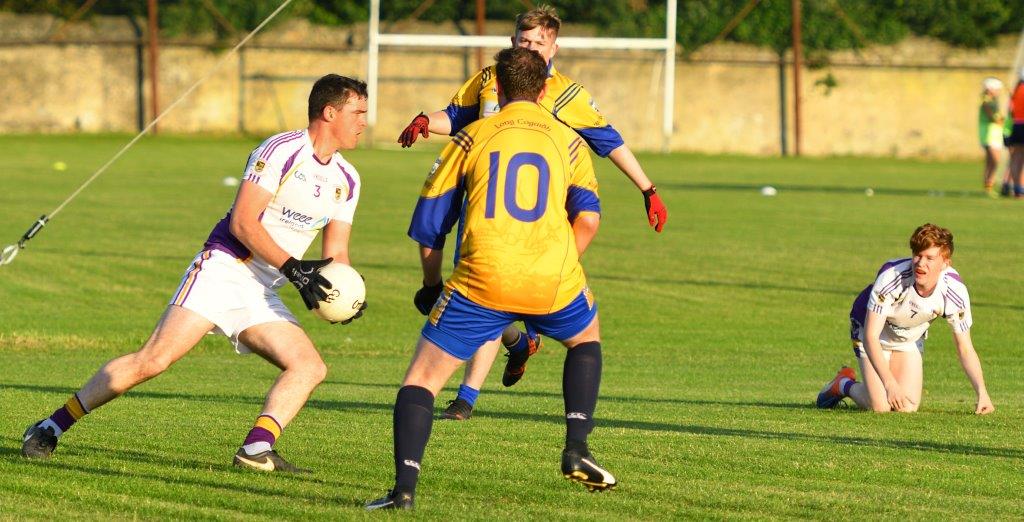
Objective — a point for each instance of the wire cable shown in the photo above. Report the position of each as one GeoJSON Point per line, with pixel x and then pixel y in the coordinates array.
{"type": "Point", "coordinates": [11, 251]}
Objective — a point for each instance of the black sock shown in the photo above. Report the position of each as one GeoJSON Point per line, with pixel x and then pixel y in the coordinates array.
{"type": "Point", "coordinates": [413, 418]}
{"type": "Point", "coordinates": [581, 379]}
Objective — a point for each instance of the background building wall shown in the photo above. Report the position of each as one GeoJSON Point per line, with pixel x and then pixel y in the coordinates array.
{"type": "Point", "coordinates": [915, 99]}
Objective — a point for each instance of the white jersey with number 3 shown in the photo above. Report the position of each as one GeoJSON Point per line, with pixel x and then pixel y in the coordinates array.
{"type": "Point", "coordinates": [907, 313]}
{"type": "Point", "coordinates": [307, 194]}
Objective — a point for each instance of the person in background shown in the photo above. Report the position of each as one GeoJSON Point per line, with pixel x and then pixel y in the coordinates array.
{"type": "Point", "coordinates": [990, 131]}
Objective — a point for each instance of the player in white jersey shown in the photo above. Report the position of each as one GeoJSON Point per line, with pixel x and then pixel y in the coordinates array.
{"type": "Point", "coordinates": [889, 323]}
{"type": "Point", "coordinates": [296, 184]}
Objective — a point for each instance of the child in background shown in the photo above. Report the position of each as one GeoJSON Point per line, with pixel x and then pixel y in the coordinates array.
{"type": "Point", "coordinates": [990, 131]}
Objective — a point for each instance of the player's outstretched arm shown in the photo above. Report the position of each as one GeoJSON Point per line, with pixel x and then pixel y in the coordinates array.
{"type": "Point", "coordinates": [423, 125]}
{"type": "Point", "coordinates": [624, 159]}
{"type": "Point", "coordinates": [972, 367]}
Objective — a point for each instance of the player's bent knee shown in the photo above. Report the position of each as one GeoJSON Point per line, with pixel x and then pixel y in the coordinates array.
{"type": "Point", "coordinates": [318, 371]}
{"type": "Point", "coordinates": [149, 367]}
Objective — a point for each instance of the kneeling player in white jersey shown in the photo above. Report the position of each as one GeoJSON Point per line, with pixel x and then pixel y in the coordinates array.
{"type": "Point", "coordinates": [296, 184]}
{"type": "Point", "coordinates": [889, 324]}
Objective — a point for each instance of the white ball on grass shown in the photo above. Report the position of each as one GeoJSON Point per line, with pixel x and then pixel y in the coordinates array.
{"type": "Point", "coordinates": [768, 190]}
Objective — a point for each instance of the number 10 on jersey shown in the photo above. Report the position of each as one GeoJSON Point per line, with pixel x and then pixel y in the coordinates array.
{"type": "Point", "coordinates": [518, 160]}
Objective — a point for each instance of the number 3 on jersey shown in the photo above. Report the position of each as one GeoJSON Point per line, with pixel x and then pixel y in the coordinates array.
{"type": "Point", "coordinates": [518, 161]}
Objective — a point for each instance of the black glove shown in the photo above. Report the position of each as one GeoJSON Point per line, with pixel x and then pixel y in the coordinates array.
{"type": "Point", "coordinates": [427, 296]}
{"type": "Point", "coordinates": [354, 317]}
{"type": "Point", "coordinates": [305, 275]}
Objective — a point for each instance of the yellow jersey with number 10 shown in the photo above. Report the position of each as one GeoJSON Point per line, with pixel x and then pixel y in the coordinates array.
{"type": "Point", "coordinates": [523, 175]}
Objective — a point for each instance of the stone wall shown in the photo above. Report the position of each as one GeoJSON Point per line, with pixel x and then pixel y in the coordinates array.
{"type": "Point", "coordinates": [916, 99]}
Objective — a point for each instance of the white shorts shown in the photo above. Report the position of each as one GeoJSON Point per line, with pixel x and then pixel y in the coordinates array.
{"type": "Point", "coordinates": [861, 353]}
{"type": "Point", "coordinates": [222, 289]}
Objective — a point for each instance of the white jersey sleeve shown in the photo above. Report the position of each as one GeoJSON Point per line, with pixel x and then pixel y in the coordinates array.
{"type": "Point", "coordinates": [347, 210]}
{"type": "Point", "coordinates": [888, 287]}
{"type": "Point", "coordinates": [957, 303]}
{"type": "Point", "coordinates": [266, 164]}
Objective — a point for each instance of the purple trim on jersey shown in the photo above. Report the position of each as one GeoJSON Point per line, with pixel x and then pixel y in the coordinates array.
{"type": "Point", "coordinates": [288, 164]}
{"type": "Point", "coordinates": [324, 163]}
{"type": "Point", "coordinates": [955, 276]}
{"type": "Point", "coordinates": [955, 298]}
{"type": "Point", "coordinates": [222, 239]}
{"type": "Point", "coordinates": [889, 264]}
{"type": "Point", "coordinates": [859, 310]}
{"type": "Point", "coordinates": [896, 282]}
{"type": "Point", "coordinates": [351, 182]}
{"type": "Point", "coordinates": [284, 138]}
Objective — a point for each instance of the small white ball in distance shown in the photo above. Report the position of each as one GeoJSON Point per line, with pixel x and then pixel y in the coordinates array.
{"type": "Point", "coordinates": [346, 295]}
{"type": "Point", "coordinates": [60, 165]}
{"type": "Point", "coordinates": [869, 192]}
{"type": "Point", "coordinates": [230, 181]}
{"type": "Point", "coordinates": [768, 190]}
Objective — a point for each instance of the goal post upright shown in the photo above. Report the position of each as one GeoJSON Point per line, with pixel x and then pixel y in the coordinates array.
{"type": "Point", "coordinates": [667, 45]}
{"type": "Point", "coordinates": [668, 103]}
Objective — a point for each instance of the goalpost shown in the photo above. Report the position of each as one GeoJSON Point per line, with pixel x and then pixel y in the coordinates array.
{"type": "Point", "coordinates": [667, 45]}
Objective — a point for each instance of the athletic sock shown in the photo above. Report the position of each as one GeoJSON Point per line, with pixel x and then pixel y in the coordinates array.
{"type": "Point", "coordinates": [413, 419]}
{"type": "Point", "coordinates": [581, 379]}
{"type": "Point", "coordinates": [262, 436]}
{"type": "Point", "coordinates": [520, 344]}
{"type": "Point", "coordinates": [845, 384]}
{"type": "Point", "coordinates": [65, 416]}
{"type": "Point", "coordinates": [468, 394]}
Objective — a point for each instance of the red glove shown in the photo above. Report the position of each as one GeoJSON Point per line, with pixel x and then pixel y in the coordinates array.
{"type": "Point", "coordinates": [420, 125]}
{"type": "Point", "coordinates": [657, 214]}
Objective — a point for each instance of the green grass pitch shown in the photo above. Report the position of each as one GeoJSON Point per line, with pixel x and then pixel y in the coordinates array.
{"type": "Point", "coordinates": [717, 335]}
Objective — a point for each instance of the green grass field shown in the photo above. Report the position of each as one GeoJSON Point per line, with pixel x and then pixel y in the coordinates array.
{"type": "Point", "coordinates": [717, 335]}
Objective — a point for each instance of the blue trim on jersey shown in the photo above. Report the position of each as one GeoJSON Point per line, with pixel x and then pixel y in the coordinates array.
{"type": "Point", "coordinates": [581, 200]}
{"type": "Point", "coordinates": [463, 326]}
{"type": "Point", "coordinates": [458, 234]}
{"type": "Point", "coordinates": [603, 140]}
{"type": "Point", "coordinates": [433, 218]}
{"type": "Point", "coordinates": [461, 116]}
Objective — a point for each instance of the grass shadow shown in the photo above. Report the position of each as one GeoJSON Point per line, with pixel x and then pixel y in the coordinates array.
{"type": "Point", "coordinates": [693, 429]}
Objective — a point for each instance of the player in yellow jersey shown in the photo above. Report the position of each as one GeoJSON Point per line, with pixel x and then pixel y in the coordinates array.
{"type": "Point", "coordinates": [522, 176]}
{"type": "Point", "coordinates": [572, 105]}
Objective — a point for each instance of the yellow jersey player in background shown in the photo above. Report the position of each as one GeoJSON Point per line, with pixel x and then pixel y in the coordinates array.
{"type": "Point", "coordinates": [572, 105]}
{"type": "Point", "coordinates": [522, 176]}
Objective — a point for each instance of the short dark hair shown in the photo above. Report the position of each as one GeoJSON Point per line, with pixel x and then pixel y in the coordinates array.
{"type": "Point", "coordinates": [333, 90]}
{"type": "Point", "coordinates": [521, 73]}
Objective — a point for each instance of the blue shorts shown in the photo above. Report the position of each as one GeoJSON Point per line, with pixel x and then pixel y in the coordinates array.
{"type": "Point", "coordinates": [459, 326]}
